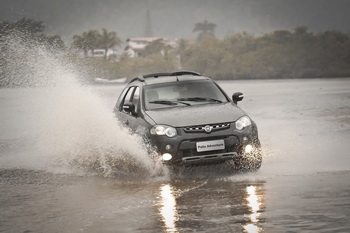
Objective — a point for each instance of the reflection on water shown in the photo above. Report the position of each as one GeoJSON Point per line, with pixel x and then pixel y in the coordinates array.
{"type": "Point", "coordinates": [254, 205]}
{"type": "Point", "coordinates": [212, 205]}
{"type": "Point", "coordinates": [168, 210]}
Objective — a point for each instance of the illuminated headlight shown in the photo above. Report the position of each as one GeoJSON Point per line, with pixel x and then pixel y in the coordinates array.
{"type": "Point", "coordinates": [248, 148]}
{"type": "Point", "coordinates": [164, 130]}
{"type": "Point", "coordinates": [167, 157]}
{"type": "Point", "coordinates": [243, 122]}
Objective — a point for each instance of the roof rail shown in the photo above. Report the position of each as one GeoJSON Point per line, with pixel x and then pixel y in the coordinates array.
{"type": "Point", "coordinates": [184, 72]}
{"type": "Point", "coordinates": [141, 78]}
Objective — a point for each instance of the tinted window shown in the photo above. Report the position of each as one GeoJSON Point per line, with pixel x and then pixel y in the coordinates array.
{"type": "Point", "coordinates": [127, 97]}
{"type": "Point", "coordinates": [136, 98]}
{"type": "Point", "coordinates": [180, 94]}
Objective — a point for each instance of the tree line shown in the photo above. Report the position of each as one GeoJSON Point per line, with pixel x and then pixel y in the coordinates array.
{"type": "Point", "coordinates": [296, 53]}
{"type": "Point", "coordinates": [31, 31]}
{"type": "Point", "coordinates": [280, 54]}
{"type": "Point", "coordinates": [93, 39]}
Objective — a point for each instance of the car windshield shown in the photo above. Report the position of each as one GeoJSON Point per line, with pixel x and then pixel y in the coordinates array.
{"type": "Point", "coordinates": [181, 94]}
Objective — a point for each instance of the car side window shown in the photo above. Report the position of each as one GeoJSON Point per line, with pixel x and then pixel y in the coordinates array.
{"type": "Point", "coordinates": [136, 98]}
{"type": "Point", "coordinates": [127, 98]}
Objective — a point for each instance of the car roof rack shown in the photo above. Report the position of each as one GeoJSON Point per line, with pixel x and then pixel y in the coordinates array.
{"type": "Point", "coordinates": [142, 78]}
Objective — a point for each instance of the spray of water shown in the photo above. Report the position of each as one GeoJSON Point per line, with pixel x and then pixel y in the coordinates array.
{"type": "Point", "coordinates": [70, 124]}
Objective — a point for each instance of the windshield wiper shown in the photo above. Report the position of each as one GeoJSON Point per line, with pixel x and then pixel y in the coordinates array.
{"type": "Point", "coordinates": [200, 99]}
{"type": "Point", "coordinates": [168, 102]}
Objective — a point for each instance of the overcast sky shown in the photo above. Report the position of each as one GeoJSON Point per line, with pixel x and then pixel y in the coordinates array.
{"type": "Point", "coordinates": [176, 18]}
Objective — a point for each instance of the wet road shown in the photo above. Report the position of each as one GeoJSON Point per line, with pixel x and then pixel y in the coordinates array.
{"type": "Point", "coordinates": [303, 185]}
{"type": "Point", "coordinates": [34, 201]}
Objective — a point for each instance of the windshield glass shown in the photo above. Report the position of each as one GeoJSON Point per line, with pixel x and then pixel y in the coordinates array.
{"type": "Point", "coordinates": [182, 94]}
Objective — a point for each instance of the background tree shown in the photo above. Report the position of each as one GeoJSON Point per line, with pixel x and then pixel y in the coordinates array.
{"type": "Point", "coordinates": [29, 27]}
{"type": "Point", "coordinates": [281, 54]}
{"type": "Point", "coordinates": [205, 29]}
{"type": "Point", "coordinates": [109, 40]}
{"type": "Point", "coordinates": [153, 48]}
{"type": "Point", "coordinates": [80, 43]}
{"type": "Point", "coordinates": [28, 37]}
{"type": "Point", "coordinates": [31, 31]}
{"type": "Point", "coordinates": [92, 39]}
{"type": "Point", "coordinates": [52, 43]}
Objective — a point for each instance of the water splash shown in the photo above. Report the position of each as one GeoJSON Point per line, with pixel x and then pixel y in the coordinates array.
{"type": "Point", "coordinates": [67, 123]}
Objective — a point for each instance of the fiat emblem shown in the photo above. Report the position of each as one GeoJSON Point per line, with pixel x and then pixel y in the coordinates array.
{"type": "Point", "coordinates": [208, 128]}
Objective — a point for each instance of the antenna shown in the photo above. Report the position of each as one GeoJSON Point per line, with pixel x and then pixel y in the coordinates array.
{"type": "Point", "coordinates": [148, 26]}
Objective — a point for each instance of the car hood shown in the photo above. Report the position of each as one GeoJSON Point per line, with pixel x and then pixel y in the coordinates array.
{"type": "Point", "coordinates": [196, 115]}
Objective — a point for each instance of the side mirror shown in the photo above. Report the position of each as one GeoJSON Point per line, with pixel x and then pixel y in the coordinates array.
{"type": "Point", "coordinates": [237, 96]}
{"type": "Point", "coordinates": [129, 108]}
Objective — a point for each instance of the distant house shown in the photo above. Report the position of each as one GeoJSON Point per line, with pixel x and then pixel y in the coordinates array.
{"type": "Point", "coordinates": [97, 53]}
{"type": "Point", "coordinates": [136, 45]}
{"type": "Point", "coordinates": [102, 52]}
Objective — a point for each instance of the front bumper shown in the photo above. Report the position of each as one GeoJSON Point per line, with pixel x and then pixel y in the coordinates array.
{"type": "Point", "coordinates": [183, 147]}
{"type": "Point", "coordinates": [209, 158]}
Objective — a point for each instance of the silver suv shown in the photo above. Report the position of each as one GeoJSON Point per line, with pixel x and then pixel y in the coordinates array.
{"type": "Point", "coordinates": [190, 120]}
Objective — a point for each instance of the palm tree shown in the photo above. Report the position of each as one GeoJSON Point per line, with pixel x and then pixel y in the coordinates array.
{"type": "Point", "coordinates": [205, 29]}
{"type": "Point", "coordinates": [79, 43]}
{"type": "Point", "coordinates": [109, 40]}
{"type": "Point", "coordinates": [87, 41]}
{"type": "Point", "coordinates": [92, 39]}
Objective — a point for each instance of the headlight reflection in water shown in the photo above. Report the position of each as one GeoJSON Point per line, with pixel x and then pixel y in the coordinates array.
{"type": "Point", "coordinates": [168, 209]}
{"type": "Point", "coordinates": [253, 203]}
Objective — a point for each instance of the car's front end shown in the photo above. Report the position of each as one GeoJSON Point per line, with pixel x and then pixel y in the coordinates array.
{"type": "Point", "coordinates": [207, 141]}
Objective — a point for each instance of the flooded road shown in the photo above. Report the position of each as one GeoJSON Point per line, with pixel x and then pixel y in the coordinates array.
{"type": "Point", "coordinates": [63, 166]}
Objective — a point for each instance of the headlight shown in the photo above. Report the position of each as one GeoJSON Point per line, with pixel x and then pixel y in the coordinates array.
{"type": "Point", "coordinates": [164, 130]}
{"type": "Point", "coordinates": [243, 122]}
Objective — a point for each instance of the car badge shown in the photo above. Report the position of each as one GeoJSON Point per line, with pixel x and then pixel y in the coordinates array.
{"type": "Point", "coordinates": [208, 128]}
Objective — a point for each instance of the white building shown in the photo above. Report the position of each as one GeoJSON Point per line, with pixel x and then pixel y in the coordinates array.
{"type": "Point", "coordinates": [136, 45]}
{"type": "Point", "coordinates": [101, 53]}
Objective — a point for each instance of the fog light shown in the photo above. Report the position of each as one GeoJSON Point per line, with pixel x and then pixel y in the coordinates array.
{"type": "Point", "coordinates": [167, 157]}
{"type": "Point", "coordinates": [248, 148]}
{"type": "Point", "coordinates": [168, 147]}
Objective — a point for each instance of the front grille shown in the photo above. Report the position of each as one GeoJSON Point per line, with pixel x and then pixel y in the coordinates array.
{"type": "Point", "coordinates": [193, 152]}
{"type": "Point", "coordinates": [208, 158]}
{"type": "Point", "coordinates": [210, 128]}
{"type": "Point", "coordinates": [208, 138]}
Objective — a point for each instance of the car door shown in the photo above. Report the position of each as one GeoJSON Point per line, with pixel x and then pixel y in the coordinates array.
{"type": "Point", "coordinates": [133, 120]}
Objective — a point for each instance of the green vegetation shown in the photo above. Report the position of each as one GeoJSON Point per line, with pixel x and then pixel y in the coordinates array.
{"type": "Point", "coordinates": [32, 31]}
{"type": "Point", "coordinates": [155, 47]}
{"type": "Point", "coordinates": [205, 30]}
{"type": "Point", "coordinates": [279, 54]}
{"type": "Point", "coordinates": [93, 39]}
{"type": "Point", "coordinates": [15, 68]}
